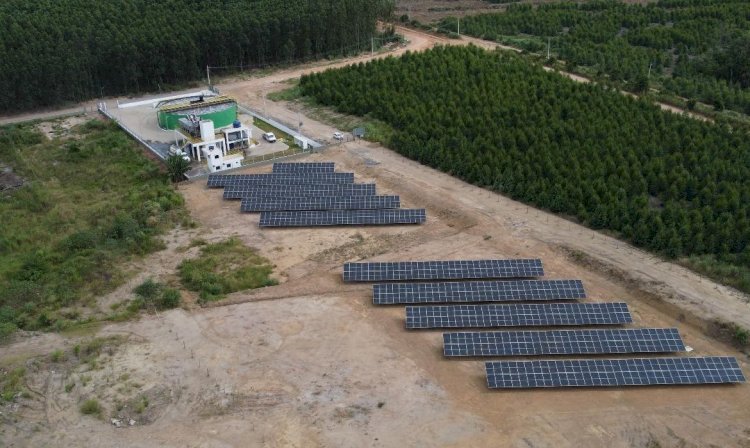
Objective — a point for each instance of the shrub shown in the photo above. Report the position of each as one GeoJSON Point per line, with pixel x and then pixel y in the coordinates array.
{"type": "Point", "coordinates": [148, 290]}
{"type": "Point", "coordinates": [169, 299]}
{"type": "Point", "coordinates": [741, 336]}
{"type": "Point", "coordinates": [91, 407]}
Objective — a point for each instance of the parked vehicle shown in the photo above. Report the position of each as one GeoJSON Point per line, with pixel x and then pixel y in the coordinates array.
{"type": "Point", "coordinates": [269, 137]}
{"type": "Point", "coordinates": [338, 136]}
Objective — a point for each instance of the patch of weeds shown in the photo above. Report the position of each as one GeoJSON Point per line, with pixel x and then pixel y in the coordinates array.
{"type": "Point", "coordinates": [223, 268]}
{"type": "Point", "coordinates": [152, 294]}
{"type": "Point", "coordinates": [141, 405]}
{"type": "Point", "coordinates": [741, 336]}
{"type": "Point", "coordinates": [69, 386]}
{"type": "Point", "coordinates": [11, 383]}
{"type": "Point", "coordinates": [57, 356]}
{"type": "Point", "coordinates": [91, 407]}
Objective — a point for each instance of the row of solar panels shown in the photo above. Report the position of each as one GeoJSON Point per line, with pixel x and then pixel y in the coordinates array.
{"type": "Point", "coordinates": [311, 194]}
{"type": "Point", "coordinates": [528, 374]}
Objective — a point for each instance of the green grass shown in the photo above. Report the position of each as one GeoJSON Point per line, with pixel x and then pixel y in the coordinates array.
{"type": "Point", "coordinates": [151, 294]}
{"type": "Point", "coordinates": [736, 274]}
{"type": "Point", "coordinates": [223, 268]}
{"type": "Point", "coordinates": [91, 407]}
{"type": "Point", "coordinates": [11, 383]}
{"type": "Point", "coordinates": [267, 127]}
{"type": "Point", "coordinates": [290, 94]}
{"type": "Point", "coordinates": [92, 201]}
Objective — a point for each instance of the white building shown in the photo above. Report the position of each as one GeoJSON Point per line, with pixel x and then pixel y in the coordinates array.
{"type": "Point", "coordinates": [216, 148]}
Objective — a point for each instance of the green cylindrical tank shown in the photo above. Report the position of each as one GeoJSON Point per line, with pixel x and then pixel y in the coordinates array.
{"type": "Point", "coordinates": [222, 114]}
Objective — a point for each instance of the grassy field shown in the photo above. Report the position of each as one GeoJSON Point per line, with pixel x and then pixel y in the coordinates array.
{"type": "Point", "coordinates": [223, 268]}
{"type": "Point", "coordinates": [375, 130]}
{"type": "Point", "coordinates": [91, 201]}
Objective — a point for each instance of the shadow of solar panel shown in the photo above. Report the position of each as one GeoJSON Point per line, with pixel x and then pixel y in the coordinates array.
{"type": "Point", "coordinates": [441, 270]}
{"type": "Point", "coordinates": [342, 218]}
{"type": "Point", "coordinates": [517, 315]}
{"type": "Point", "coordinates": [228, 180]}
{"type": "Point", "coordinates": [264, 204]}
{"type": "Point", "coordinates": [296, 167]}
{"type": "Point", "coordinates": [562, 342]}
{"type": "Point", "coordinates": [477, 291]}
{"type": "Point", "coordinates": [312, 190]}
{"type": "Point", "coordinates": [613, 372]}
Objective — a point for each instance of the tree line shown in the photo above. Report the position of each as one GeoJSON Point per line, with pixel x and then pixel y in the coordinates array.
{"type": "Point", "coordinates": [698, 49]}
{"type": "Point", "coordinates": [663, 181]}
{"type": "Point", "coordinates": [57, 51]}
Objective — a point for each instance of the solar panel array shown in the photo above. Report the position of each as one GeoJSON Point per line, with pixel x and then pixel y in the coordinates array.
{"type": "Point", "coordinates": [312, 190]}
{"type": "Point", "coordinates": [477, 291]}
{"type": "Point", "coordinates": [441, 270]}
{"type": "Point", "coordinates": [613, 372]}
{"type": "Point", "coordinates": [562, 342]}
{"type": "Point", "coordinates": [228, 180]}
{"type": "Point", "coordinates": [342, 217]}
{"type": "Point", "coordinates": [263, 204]}
{"type": "Point", "coordinates": [301, 167]}
{"type": "Point", "coordinates": [517, 315]}
{"type": "Point", "coordinates": [312, 194]}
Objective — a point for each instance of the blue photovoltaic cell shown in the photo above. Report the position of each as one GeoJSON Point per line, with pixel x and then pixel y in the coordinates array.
{"type": "Point", "coordinates": [301, 167]}
{"type": "Point", "coordinates": [342, 218]}
{"type": "Point", "coordinates": [227, 180]}
{"type": "Point", "coordinates": [311, 190]}
{"type": "Point", "coordinates": [441, 270]}
{"type": "Point", "coordinates": [265, 204]}
{"type": "Point", "coordinates": [477, 291]}
{"type": "Point", "coordinates": [517, 315]}
{"type": "Point", "coordinates": [562, 342]}
{"type": "Point", "coordinates": [613, 372]}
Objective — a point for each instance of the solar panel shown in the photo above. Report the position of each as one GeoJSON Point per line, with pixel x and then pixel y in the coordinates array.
{"type": "Point", "coordinates": [562, 342]}
{"type": "Point", "coordinates": [226, 180]}
{"type": "Point", "coordinates": [437, 270]}
{"type": "Point", "coordinates": [342, 218]}
{"type": "Point", "coordinates": [517, 315]}
{"type": "Point", "coordinates": [613, 372]}
{"type": "Point", "coordinates": [311, 190]}
{"type": "Point", "coordinates": [296, 167]}
{"type": "Point", "coordinates": [477, 291]}
{"type": "Point", "coordinates": [264, 204]}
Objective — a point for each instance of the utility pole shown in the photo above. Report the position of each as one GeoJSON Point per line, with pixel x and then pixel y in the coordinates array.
{"type": "Point", "coordinates": [458, 26]}
{"type": "Point", "coordinates": [208, 76]}
{"type": "Point", "coordinates": [649, 69]}
{"type": "Point", "coordinates": [372, 46]}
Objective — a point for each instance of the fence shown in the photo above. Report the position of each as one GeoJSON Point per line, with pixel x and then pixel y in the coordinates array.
{"type": "Point", "coordinates": [102, 107]}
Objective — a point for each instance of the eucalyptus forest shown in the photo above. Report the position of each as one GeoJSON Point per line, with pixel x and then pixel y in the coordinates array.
{"type": "Point", "coordinates": [663, 181]}
{"type": "Point", "coordinates": [696, 49]}
{"type": "Point", "coordinates": [57, 51]}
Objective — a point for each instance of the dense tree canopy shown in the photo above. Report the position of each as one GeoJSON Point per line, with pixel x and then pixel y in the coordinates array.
{"type": "Point", "coordinates": [664, 181]}
{"type": "Point", "coordinates": [53, 51]}
{"type": "Point", "coordinates": [700, 49]}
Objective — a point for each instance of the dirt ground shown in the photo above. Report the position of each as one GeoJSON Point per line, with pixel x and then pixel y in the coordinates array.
{"type": "Point", "coordinates": [311, 363]}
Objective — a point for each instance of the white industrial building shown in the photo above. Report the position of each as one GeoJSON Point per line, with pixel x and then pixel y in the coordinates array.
{"type": "Point", "coordinates": [217, 149]}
